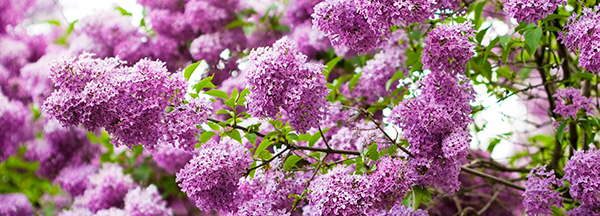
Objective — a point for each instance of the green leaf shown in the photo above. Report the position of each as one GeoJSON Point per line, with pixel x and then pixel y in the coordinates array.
{"type": "Point", "coordinates": [330, 65]}
{"type": "Point", "coordinates": [355, 78]}
{"type": "Point", "coordinates": [205, 136]}
{"type": "Point", "coordinates": [62, 40]}
{"type": "Point", "coordinates": [533, 39]}
{"type": "Point", "coordinates": [291, 162]}
{"type": "Point", "coordinates": [213, 125]}
{"type": "Point", "coordinates": [397, 76]}
{"type": "Point", "coordinates": [235, 134]}
{"type": "Point", "coordinates": [217, 93]}
{"type": "Point", "coordinates": [560, 131]}
{"type": "Point", "coordinates": [123, 11]}
{"type": "Point", "coordinates": [492, 145]}
{"type": "Point", "coordinates": [264, 144]}
{"type": "Point", "coordinates": [372, 152]}
{"type": "Point", "coordinates": [189, 70]}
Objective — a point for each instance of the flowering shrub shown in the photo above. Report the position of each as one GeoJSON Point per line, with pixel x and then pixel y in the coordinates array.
{"type": "Point", "coordinates": [301, 107]}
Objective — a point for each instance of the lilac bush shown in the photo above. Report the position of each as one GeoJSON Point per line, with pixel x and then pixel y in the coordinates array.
{"type": "Point", "coordinates": [300, 107]}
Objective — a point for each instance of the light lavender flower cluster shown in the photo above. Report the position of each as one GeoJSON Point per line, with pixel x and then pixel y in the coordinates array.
{"type": "Point", "coordinates": [281, 81]}
{"type": "Point", "coordinates": [531, 10]}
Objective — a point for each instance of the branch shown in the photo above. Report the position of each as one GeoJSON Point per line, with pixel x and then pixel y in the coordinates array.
{"type": "Point", "coordinates": [491, 177]}
{"type": "Point", "coordinates": [267, 161]}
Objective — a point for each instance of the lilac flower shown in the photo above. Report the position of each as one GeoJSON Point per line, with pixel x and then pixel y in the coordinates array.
{"type": "Point", "coordinates": [259, 207]}
{"type": "Point", "coordinates": [171, 158]}
{"type": "Point", "coordinates": [171, 24]}
{"type": "Point", "coordinates": [583, 174]}
{"type": "Point", "coordinates": [14, 54]}
{"type": "Point", "coordinates": [15, 204]}
{"type": "Point", "coordinates": [341, 193]}
{"type": "Point", "coordinates": [268, 186]}
{"type": "Point", "coordinates": [14, 126]}
{"type": "Point", "coordinates": [75, 179]}
{"type": "Point", "coordinates": [129, 102]}
{"type": "Point", "coordinates": [107, 189]}
{"type": "Point", "coordinates": [280, 79]}
{"type": "Point", "coordinates": [112, 212]}
{"type": "Point", "coordinates": [211, 178]}
{"type": "Point", "coordinates": [13, 12]}
{"type": "Point", "coordinates": [392, 180]}
{"type": "Point", "coordinates": [570, 102]}
{"type": "Point", "coordinates": [208, 16]}
{"type": "Point", "coordinates": [583, 34]}
{"type": "Point", "coordinates": [146, 202]}
{"type": "Point", "coordinates": [162, 4]}
{"type": "Point", "coordinates": [62, 147]}
{"type": "Point", "coordinates": [108, 27]}
{"type": "Point", "coordinates": [584, 210]}
{"type": "Point", "coordinates": [181, 124]}
{"type": "Point", "coordinates": [309, 40]}
{"type": "Point", "coordinates": [411, 11]}
{"type": "Point", "coordinates": [299, 12]}
{"type": "Point", "coordinates": [540, 193]}
{"type": "Point", "coordinates": [435, 124]}
{"type": "Point", "coordinates": [447, 4]}
{"type": "Point", "coordinates": [400, 210]}
{"type": "Point", "coordinates": [380, 69]}
{"type": "Point", "coordinates": [76, 212]}
{"type": "Point", "coordinates": [531, 10]}
{"type": "Point", "coordinates": [208, 47]}
{"type": "Point", "coordinates": [346, 28]}
{"type": "Point", "coordinates": [447, 48]}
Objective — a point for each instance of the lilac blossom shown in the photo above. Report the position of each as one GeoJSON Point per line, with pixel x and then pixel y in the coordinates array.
{"type": "Point", "coordinates": [75, 179]}
{"type": "Point", "coordinates": [281, 81]}
{"type": "Point", "coordinates": [15, 126]}
{"type": "Point", "coordinates": [540, 193]}
{"type": "Point", "coordinates": [15, 204]}
{"type": "Point", "coordinates": [447, 48]}
{"type": "Point", "coordinates": [531, 10]}
{"type": "Point", "coordinates": [569, 102]}
{"type": "Point", "coordinates": [211, 178]}
{"type": "Point", "coordinates": [107, 189]}
{"type": "Point", "coordinates": [146, 202]}
{"type": "Point", "coordinates": [583, 174]}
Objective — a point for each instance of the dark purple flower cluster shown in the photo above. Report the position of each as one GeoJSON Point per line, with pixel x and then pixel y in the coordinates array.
{"type": "Point", "coordinates": [447, 48]}
{"type": "Point", "coordinates": [541, 194]}
{"type": "Point", "coordinates": [435, 124]}
{"type": "Point", "coordinates": [531, 10]}
{"type": "Point", "coordinates": [282, 81]}
{"type": "Point", "coordinates": [583, 174]}
{"type": "Point", "coordinates": [583, 34]}
{"type": "Point", "coordinates": [569, 102]}
{"type": "Point", "coordinates": [107, 189]}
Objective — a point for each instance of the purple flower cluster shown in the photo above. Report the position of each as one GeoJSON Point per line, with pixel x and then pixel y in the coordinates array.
{"type": "Point", "coordinates": [61, 147]}
{"type": "Point", "coordinates": [107, 189]}
{"type": "Point", "coordinates": [14, 126]}
{"type": "Point", "coordinates": [381, 68]}
{"type": "Point", "coordinates": [13, 12]}
{"type": "Point", "coordinates": [171, 158]}
{"type": "Point", "coordinates": [447, 48]}
{"type": "Point", "coordinates": [208, 47]}
{"type": "Point", "coordinates": [129, 102]}
{"type": "Point", "coordinates": [583, 174]}
{"type": "Point", "coordinates": [146, 202]}
{"type": "Point", "coordinates": [540, 193]}
{"type": "Point", "coordinates": [270, 189]}
{"type": "Point", "coordinates": [15, 205]}
{"type": "Point", "coordinates": [299, 12]}
{"type": "Point", "coordinates": [75, 179]}
{"type": "Point", "coordinates": [356, 27]}
{"type": "Point", "coordinates": [181, 124]}
{"type": "Point", "coordinates": [341, 193]}
{"type": "Point", "coordinates": [569, 102]}
{"type": "Point", "coordinates": [531, 10]}
{"type": "Point", "coordinates": [392, 180]}
{"type": "Point", "coordinates": [583, 34]}
{"type": "Point", "coordinates": [211, 178]}
{"type": "Point", "coordinates": [281, 81]}
{"type": "Point", "coordinates": [400, 210]}
{"type": "Point", "coordinates": [435, 124]}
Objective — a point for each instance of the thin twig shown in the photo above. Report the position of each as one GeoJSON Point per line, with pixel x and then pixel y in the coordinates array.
{"type": "Point", "coordinates": [491, 177]}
